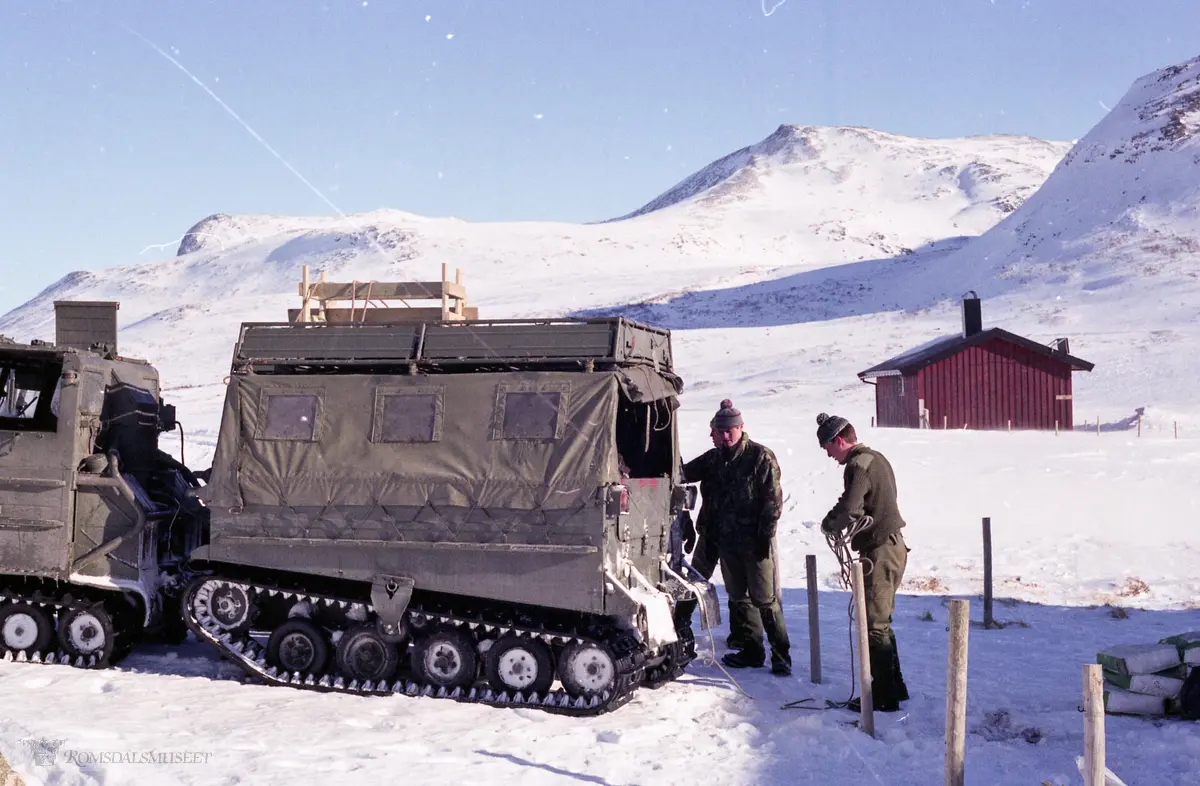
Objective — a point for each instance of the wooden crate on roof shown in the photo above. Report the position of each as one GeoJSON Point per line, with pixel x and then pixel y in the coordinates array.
{"type": "Point", "coordinates": [382, 302]}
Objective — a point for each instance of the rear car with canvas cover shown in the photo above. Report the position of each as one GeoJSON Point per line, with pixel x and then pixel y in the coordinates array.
{"type": "Point", "coordinates": [484, 510]}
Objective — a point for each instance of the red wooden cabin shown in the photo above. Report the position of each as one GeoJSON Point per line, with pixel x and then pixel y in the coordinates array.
{"type": "Point", "coordinates": [979, 379]}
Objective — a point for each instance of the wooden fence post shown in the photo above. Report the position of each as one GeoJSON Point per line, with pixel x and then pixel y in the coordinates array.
{"type": "Point", "coordinates": [945, 422]}
{"type": "Point", "coordinates": [1056, 428]}
{"type": "Point", "coordinates": [814, 621]}
{"type": "Point", "coordinates": [867, 710]}
{"type": "Point", "coordinates": [1097, 425]}
{"type": "Point", "coordinates": [988, 621]}
{"type": "Point", "coordinates": [1093, 725]}
{"type": "Point", "coordinates": [956, 694]}
{"type": "Point", "coordinates": [1139, 425]}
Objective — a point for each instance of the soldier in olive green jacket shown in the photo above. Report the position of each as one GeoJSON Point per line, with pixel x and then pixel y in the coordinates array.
{"type": "Point", "coordinates": [742, 503]}
{"type": "Point", "coordinates": [870, 490]}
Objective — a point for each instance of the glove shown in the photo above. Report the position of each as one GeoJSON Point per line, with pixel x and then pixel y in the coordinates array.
{"type": "Point", "coordinates": [689, 532]}
{"type": "Point", "coordinates": [828, 528]}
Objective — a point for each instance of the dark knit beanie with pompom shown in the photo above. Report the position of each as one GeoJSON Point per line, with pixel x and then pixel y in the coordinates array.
{"type": "Point", "coordinates": [726, 417]}
{"type": "Point", "coordinates": [828, 427]}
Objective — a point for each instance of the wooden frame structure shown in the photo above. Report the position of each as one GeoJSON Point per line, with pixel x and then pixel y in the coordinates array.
{"type": "Point", "coordinates": [369, 301]}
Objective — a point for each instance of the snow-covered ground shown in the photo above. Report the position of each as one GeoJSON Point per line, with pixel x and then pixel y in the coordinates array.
{"type": "Point", "coordinates": [780, 320]}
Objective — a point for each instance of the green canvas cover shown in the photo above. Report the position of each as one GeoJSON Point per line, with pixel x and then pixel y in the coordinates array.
{"type": "Point", "coordinates": [471, 451]}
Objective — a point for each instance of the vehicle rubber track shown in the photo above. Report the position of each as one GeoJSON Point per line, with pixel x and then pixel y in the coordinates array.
{"type": "Point", "coordinates": [124, 637]}
{"type": "Point", "coordinates": [628, 653]}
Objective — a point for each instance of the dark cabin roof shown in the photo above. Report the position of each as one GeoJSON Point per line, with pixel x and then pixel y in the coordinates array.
{"type": "Point", "coordinates": [929, 353]}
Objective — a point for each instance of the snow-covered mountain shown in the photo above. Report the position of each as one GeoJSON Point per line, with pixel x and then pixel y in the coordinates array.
{"type": "Point", "coordinates": [843, 181]}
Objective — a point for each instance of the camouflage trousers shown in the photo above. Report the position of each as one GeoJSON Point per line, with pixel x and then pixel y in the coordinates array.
{"type": "Point", "coordinates": [881, 583]}
{"type": "Point", "coordinates": [754, 604]}
{"type": "Point", "coordinates": [704, 561]}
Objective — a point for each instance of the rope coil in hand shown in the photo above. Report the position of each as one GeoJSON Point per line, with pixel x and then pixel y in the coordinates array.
{"type": "Point", "coordinates": [839, 544]}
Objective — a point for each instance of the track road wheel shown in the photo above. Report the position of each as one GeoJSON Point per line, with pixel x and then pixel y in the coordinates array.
{"type": "Point", "coordinates": [586, 669]}
{"type": "Point", "coordinates": [298, 645]}
{"type": "Point", "coordinates": [446, 658]}
{"type": "Point", "coordinates": [88, 632]}
{"type": "Point", "coordinates": [363, 654]}
{"type": "Point", "coordinates": [517, 664]}
{"type": "Point", "coordinates": [25, 628]}
{"type": "Point", "coordinates": [230, 606]}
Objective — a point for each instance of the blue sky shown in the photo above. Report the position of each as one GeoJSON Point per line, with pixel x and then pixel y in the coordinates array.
{"type": "Point", "coordinates": [493, 111]}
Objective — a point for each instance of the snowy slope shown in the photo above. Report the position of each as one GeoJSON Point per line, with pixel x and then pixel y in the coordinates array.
{"type": "Point", "coordinates": [780, 321]}
{"type": "Point", "coordinates": [886, 193]}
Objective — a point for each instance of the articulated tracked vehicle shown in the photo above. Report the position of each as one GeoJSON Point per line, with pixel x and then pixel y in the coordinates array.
{"type": "Point", "coordinates": [486, 511]}
{"type": "Point", "coordinates": [95, 520]}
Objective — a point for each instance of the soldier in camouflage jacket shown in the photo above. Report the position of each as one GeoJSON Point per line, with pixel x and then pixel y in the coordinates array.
{"type": "Point", "coordinates": [740, 511]}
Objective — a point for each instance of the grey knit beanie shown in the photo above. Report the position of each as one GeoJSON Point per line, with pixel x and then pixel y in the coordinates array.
{"type": "Point", "coordinates": [828, 427]}
{"type": "Point", "coordinates": [726, 417]}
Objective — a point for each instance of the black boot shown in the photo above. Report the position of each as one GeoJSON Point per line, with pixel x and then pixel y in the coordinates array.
{"type": "Point", "coordinates": [898, 686]}
{"type": "Point", "coordinates": [745, 659]}
{"type": "Point", "coordinates": [883, 686]}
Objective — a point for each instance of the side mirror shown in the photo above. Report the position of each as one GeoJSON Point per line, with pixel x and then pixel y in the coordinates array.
{"type": "Point", "coordinates": [166, 417]}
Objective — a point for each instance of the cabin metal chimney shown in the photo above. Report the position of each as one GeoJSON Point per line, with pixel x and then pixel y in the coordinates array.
{"type": "Point", "coordinates": [82, 324]}
{"type": "Point", "coordinates": [972, 314]}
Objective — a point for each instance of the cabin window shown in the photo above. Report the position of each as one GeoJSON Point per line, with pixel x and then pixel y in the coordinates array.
{"type": "Point", "coordinates": [289, 416]}
{"type": "Point", "coordinates": [408, 414]}
{"type": "Point", "coordinates": [530, 412]}
{"type": "Point", "coordinates": [646, 438]}
{"type": "Point", "coordinates": [29, 394]}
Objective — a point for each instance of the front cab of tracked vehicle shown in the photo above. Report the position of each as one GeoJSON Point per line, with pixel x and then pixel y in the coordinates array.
{"type": "Point", "coordinates": [93, 516]}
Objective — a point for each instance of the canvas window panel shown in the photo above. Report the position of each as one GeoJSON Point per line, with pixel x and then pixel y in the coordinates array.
{"type": "Point", "coordinates": [537, 412]}
{"type": "Point", "coordinates": [290, 416]}
{"type": "Point", "coordinates": [408, 414]}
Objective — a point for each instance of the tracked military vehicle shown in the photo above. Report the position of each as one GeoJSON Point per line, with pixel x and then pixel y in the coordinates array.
{"type": "Point", "coordinates": [480, 510]}
{"type": "Point", "coordinates": [95, 520]}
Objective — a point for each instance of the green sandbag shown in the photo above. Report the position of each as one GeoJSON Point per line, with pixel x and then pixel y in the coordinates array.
{"type": "Point", "coordinates": [1139, 658]}
{"type": "Point", "coordinates": [1123, 702]}
{"type": "Point", "coordinates": [1188, 645]}
{"type": "Point", "coordinates": [1162, 684]}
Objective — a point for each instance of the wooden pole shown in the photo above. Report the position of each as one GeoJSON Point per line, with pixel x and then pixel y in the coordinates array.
{"type": "Point", "coordinates": [1093, 725]}
{"type": "Point", "coordinates": [1139, 426]}
{"type": "Point", "coordinates": [1176, 429]}
{"type": "Point", "coordinates": [867, 710]}
{"type": "Point", "coordinates": [872, 421]}
{"type": "Point", "coordinates": [306, 291]}
{"type": "Point", "coordinates": [956, 694]}
{"type": "Point", "coordinates": [814, 620]}
{"type": "Point", "coordinates": [445, 300]}
{"type": "Point", "coordinates": [1010, 426]}
{"type": "Point", "coordinates": [988, 621]}
{"type": "Point", "coordinates": [1097, 425]}
{"type": "Point", "coordinates": [945, 422]}
{"type": "Point", "coordinates": [1056, 428]}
